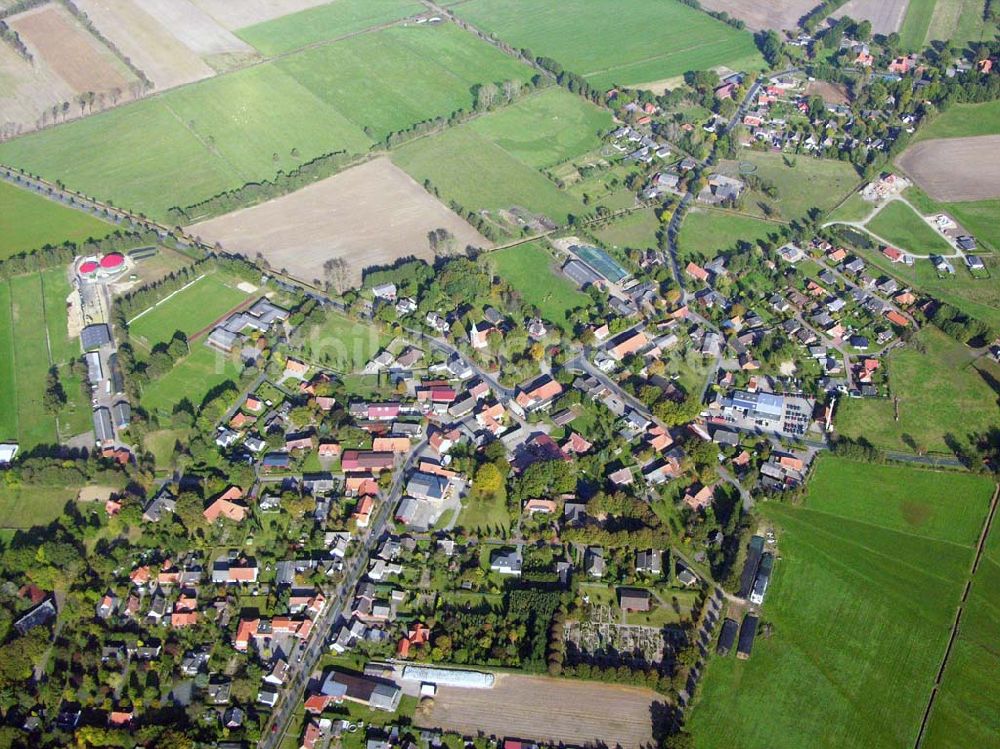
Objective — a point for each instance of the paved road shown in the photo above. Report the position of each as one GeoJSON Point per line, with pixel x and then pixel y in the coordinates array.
{"type": "Point", "coordinates": [502, 392]}
{"type": "Point", "coordinates": [292, 692]}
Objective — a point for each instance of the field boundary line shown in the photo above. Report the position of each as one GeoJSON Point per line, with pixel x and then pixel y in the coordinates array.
{"type": "Point", "coordinates": [980, 549]}
{"type": "Point", "coordinates": [13, 361]}
{"type": "Point", "coordinates": [211, 149]}
{"type": "Point", "coordinates": [157, 304]}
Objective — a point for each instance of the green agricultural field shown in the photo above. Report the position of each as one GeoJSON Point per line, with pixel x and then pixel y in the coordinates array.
{"type": "Point", "coordinates": [479, 175]}
{"type": "Point", "coordinates": [706, 233]}
{"type": "Point", "coordinates": [389, 80]}
{"type": "Point", "coordinates": [916, 23]}
{"type": "Point", "coordinates": [8, 376]}
{"type": "Point", "coordinates": [192, 378]}
{"type": "Point", "coordinates": [859, 618]}
{"type": "Point", "coordinates": [810, 183]}
{"type": "Point", "coordinates": [617, 42]}
{"type": "Point", "coordinates": [29, 221]}
{"type": "Point", "coordinates": [26, 506]}
{"type": "Point", "coordinates": [962, 121]}
{"type": "Point", "coordinates": [189, 311]}
{"type": "Point", "coordinates": [342, 344]}
{"type": "Point", "coordinates": [325, 22]}
{"type": "Point", "coordinates": [954, 21]}
{"type": "Point", "coordinates": [530, 269]}
{"type": "Point", "coordinates": [546, 129]}
{"type": "Point", "coordinates": [940, 393]}
{"type": "Point", "coordinates": [636, 231]}
{"type": "Point", "coordinates": [980, 218]}
{"type": "Point", "coordinates": [899, 225]}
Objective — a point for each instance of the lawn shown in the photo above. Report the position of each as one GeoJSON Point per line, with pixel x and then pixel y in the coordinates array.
{"type": "Point", "coordinates": [487, 516]}
{"type": "Point", "coordinates": [898, 224]}
{"type": "Point", "coordinates": [342, 344]}
{"type": "Point", "coordinates": [963, 120]}
{"type": "Point", "coordinates": [189, 311]}
{"type": "Point", "coordinates": [546, 129]}
{"type": "Point", "coordinates": [27, 506]}
{"type": "Point", "coordinates": [479, 175]}
{"type": "Point", "coordinates": [191, 378]}
{"type": "Point", "coordinates": [706, 233]}
{"type": "Point", "coordinates": [389, 80]}
{"type": "Point", "coordinates": [809, 183]}
{"type": "Point", "coordinates": [529, 268]}
{"type": "Point", "coordinates": [855, 208]}
{"type": "Point", "coordinates": [859, 617]}
{"type": "Point", "coordinates": [616, 41]}
{"type": "Point", "coordinates": [940, 393]}
{"type": "Point", "coordinates": [331, 21]}
{"type": "Point", "coordinates": [29, 221]}
{"type": "Point", "coordinates": [636, 231]}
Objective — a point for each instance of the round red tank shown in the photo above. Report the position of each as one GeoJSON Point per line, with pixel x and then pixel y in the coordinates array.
{"type": "Point", "coordinates": [88, 267]}
{"type": "Point", "coordinates": [112, 261]}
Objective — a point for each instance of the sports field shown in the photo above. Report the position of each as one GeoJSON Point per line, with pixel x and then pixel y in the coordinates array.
{"type": "Point", "coordinates": [221, 133]}
{"type": "Point", "coordinates": [29, 221]}
{"type": "Point", "coordinates": [940, 393]}
{"type": "Point", "coordinates": [869, 573]}
{"type": "Point", "coordinates": [33, 321]}
{"type": "Point", "coordinates": [899, 225]}
{"type": "Point", "coordinates": [616, 41]}
{"type": "Point", "coordinates": [707, 233]}
{"type": "Point", "coordinates": [530, 269]}
{"type": "Point", "coordinates": [329, 21]}
{"type": "Point", "coordinates": [188, 311]}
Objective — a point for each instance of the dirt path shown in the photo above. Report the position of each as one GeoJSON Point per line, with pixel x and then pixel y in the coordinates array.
{"type": "Point", "coordinates": [980, 547]}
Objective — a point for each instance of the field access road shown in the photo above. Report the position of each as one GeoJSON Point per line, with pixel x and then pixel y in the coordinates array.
{"type": "Point", "coordinates": [301, 672]}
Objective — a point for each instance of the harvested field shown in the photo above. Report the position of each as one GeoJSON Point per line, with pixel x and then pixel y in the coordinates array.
{"type": "Point", "coordinates": [550, 710]}
{"type": "Point", "coordinates": [77, 57]}
{"type": "Point", "coordinates": [248, 12]}
{"type": "Point", "coordinates": [831, 93]}
{"type": "Point", "coordinates": [27, 91]}
{"type": "Point", "coordinates": [955, 169]}
{"type": "Point", "coordinates": [764, 14]}
{"type": "Point", "coordinates": [886, 16]}
{"type": "Point", "coordinates": [194, 28]}
{"type": "Point", "coordinates": [148, 43]}
{"type": "Point", "coordinates": [370, 215]}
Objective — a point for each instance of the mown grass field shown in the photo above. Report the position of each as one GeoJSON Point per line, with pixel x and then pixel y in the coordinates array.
{"type": "Point", "coordinates": [707, 233]}
{"type": "Point", "coordinates": [188, 311]}
{"type": "Point", "coordinates": [616, 42]}
{"type": "Point", "coordinates": [546, 129]}
{"type": "Point", "coordinates": [980, 218]}
{"type": "Point", "coordinates": [637, 231]}
{"type": "Point", "coordinates": [342, 344]}
{"type": "Point", "coordinates": [869, 573]}
{"type": "Point", "coordinates": [855, 208]}
{"type": "Point", "coordinates": [898, 224]}
{"type": "Point", "coordinates": [29, 221]}
{"type": "Point", "coordinates": [26, 506]}
{"type": "Point", "coordinates": [940, 393]}
{"type": "Point", "coordinates": [967, 709]}
{"type": "Point", "coordinates": [472, 170]}
{"type": "Point", "coordinates": [954, 21]}
{"type": "Point", "coordinates": [809, 183]}
{"type": "Point", "coordinates": [192, 378]}
{"type": "Point", "coordinates": [963, 120]}
{"type": "Point", "coordinates": [324, 22]}
{"type": "Point", "coordinates": [221, 133]}
{"type": "Point", "coordinates": [530, 269]}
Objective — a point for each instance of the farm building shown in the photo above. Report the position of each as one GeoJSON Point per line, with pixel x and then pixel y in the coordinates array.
{"type": "Point", "coordinates": [95, 336]}
{"type": "Point", "coordinates": [449, 677]}
{"type": "Point", "coordinates": [122, 414]}
{"type": "Point", "coordinates": [103, 430]}
{"type": "Point", "coordinates": [755, 550]}
{"type": "Point", "coordinates": [581, 274]}
{"type": "Point", "coordinates": [378, 695]}
{"type": "Point", "coordinates": [762, 579]}
{"type": "Point", "coordinates": [633, 599]}
{"type": "Point", "coordinates": [95, 373]}
{"type": "Point", "coordinates": [727, 637]}
{"type": "Point", "coordinates": [747, 634]}
{"type": "Point", "coordinates": [8, 451]}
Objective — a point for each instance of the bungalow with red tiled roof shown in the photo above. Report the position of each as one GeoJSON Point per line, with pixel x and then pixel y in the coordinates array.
{"type": "Point", "coordinates": [326, 402]}
{"type": "Point", "coordinates": [905, 298]}
{"type": "Point", "coordinates": [253, 404]}
{"type": "Point", "coordinates": [360, 485]}
{"type": "Point", "coordinates": [419, 634]}
{"type": "Point", "coordinates": [697, 272]}
{"type": "Point", "coordinates": [544, 506]}
{"type": "Point", "coordinates": [436, 393]}
{"type": "Point", "coordinates": [790, 461]}
{"type": "Point", "coordinates": [366, 461]}
{"type": "Point", "coordinates": [902, 64]}
{"type": "Point", "coordinates": [815, 289]}
{"type": "Point", "coordinates": [312, 735]}
{"type": "Point", "coordinates": [391, 444]}
{"type": "Point", "coordinates": [329, 450]}
{"type": "Point", "coordinates": [893, 254]}
{"type": "Point", "coordinates": [576, 444]}
{"type": "Point", "coordinates": [429, 466]}
{"type": "Point", "coordinates": [698, 497]}
{"type": "Point", "coordinates": [836, 255]}
{"type": "Point", "coordinates": [742, 459]}
{"type": "Point", "coordinates": [239, 420]}
{"type": "Point", "coordinates": [538, 394]}
{"type": "Point", "coordinates": [896, 319]}
{"type": "Point", "coordinates": [180, 619]}
{"type": "Point", "coordinates": [298, 441]}
{"type": "Point", "coordinates": [629, 342]}
{"type": "Point", "coordinates": [659, 438]}
{"type": "Point", "coordinates": [296, 368]}
{"type": "Point", "coordinates": [120, 718]}
{"type": "Point", "coordinates": [245, 631]}
{"type": "Point", "coordinates": [363, 514]}
{"type": "Point", "coordinates": [140, 576]}
{"type": "Point", "coordinates": [223, 508]}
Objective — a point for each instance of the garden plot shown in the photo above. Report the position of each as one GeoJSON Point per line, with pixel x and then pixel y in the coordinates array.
{"type": "Point", "coordinates": [601, 637]}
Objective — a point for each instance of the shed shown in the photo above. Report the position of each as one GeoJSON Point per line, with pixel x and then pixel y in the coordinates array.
{"type": "Point", "coordinates": [727, 637]}
{"type": "Point", "coordinates": [747, 634]}
{"type": "Point", "coordinates": [95, 336]}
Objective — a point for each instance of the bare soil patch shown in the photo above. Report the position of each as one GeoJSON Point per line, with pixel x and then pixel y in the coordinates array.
{"type": "Point", "coordinates": [886, 16]}
{"type": "Point", "coordinates": [26, 91]}
{"type": "Point", "coordinates": [763, 14]}
{"type": "Point", "coordinates": [53, 35]}
{"type": "Point", "coordinates": [236, 15]}
{"type": "Point", "coordinates": [370, 215]}
{"type": "Point", "coordinates": [148, 43]}
{"type": "Point", "coordinates": [195, 28]}
{"type": "Point", "coordinates": [955, 169]}
{"type": "Point", "coordinates": [559, 711]}
{"type": "Point", "coordinates": [831, 93]}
